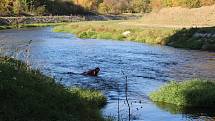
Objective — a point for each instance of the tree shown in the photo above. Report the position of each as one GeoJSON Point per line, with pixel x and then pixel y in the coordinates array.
{"type": "Point", "coordinates": [103, 8]}
{"type": "Point", "coordinates": [156, 4]}
{"type": "Point", "coordinates": [3, 8]}
{"type": "Point", "coordinates": [17, 7]}
{"type": "Point", "coordinates": [141, 6]}
{"type": "Point", "coordinates": [89, 4]}
{"type": "Point", "coordinates": [114, 6]}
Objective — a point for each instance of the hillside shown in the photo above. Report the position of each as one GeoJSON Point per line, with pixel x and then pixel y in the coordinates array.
{"type": "Point", "coordinates": [178, 17]}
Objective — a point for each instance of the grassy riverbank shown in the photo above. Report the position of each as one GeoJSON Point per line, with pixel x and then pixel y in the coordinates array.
{"type": "Point", "coordinates": [190, 38]}
{"type": "Point", "coordinates": [192, 93]}
{"type": "Point", "coordinates": [29, 95]}
{"type": "Point", "coordinates": [30, 25]}
{"type": "Point", "coordinates": [5, 27]}
{"type": "Point", "coordinates": [115, 29]}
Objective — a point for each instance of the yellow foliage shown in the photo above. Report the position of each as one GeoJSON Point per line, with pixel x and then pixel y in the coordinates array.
{"type": "Point", "coordinates": [87, 4]}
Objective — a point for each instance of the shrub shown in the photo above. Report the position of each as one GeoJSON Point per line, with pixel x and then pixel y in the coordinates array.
{"type": "Point", "coordinates": [191, 3]}
{"type": "Point", "coordinates": [168, 3]}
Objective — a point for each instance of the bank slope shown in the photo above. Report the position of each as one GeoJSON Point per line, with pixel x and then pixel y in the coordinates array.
{"type": "Point", "coordinates": [28, 95]}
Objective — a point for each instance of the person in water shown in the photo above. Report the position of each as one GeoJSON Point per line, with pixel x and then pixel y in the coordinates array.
{"type": "Point", "coordinates": [93, 72]}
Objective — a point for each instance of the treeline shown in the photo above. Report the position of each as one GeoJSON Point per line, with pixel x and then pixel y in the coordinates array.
{"type": "Point", "coordinates": [39, 7]}
{"type": "Point", "coordinates": [184, 3]}
{"type": "Point", "coordinates": [138, 6]}
{"type": "Point", "coordinates": [115, 6]}
{"type": "Point", "coordinates": [67, 7]}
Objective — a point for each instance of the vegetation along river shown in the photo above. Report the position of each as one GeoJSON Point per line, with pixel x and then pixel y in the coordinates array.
{"type": "Point", "coordinates": [147, 67]}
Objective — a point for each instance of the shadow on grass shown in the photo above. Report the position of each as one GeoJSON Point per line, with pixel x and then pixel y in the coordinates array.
{"type": "Point", "coordinates": [28, 95]}
{"type": "Point", "coordinates": [194, 38]}
{"type": "Point", "coordinates": [189, 111]}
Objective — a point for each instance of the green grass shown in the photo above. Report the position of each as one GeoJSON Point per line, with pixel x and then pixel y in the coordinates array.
{"type": "Point", "coordinates": [115, 29]}
{"type": "Point", "coordinates": [191, 93]}
{"type": "Point", "coordinates": [28, 95]}
{"type": "Point", "coordinates": [179, 38]}
{"type": "Point", "coordinates": [30, 25]}
{"type": "Point", "coordinates": [5, 27]}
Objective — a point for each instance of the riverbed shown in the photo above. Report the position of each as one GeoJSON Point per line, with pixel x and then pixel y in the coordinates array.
{"type": "Point", "coordinates": [64, 57]}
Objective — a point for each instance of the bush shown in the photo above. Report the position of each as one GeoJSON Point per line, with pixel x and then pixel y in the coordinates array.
{"type": "Point", "coordinates": [194, 93]}
{"type": "Point", "coordinates": [168, 3]}
{"type": "Point", "coordinates": [191, 3]}
{"type": "Point", "coordinates": [41, 10]}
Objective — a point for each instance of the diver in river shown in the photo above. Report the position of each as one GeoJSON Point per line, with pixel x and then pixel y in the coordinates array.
{"type": "Point", "coordinates": [93, 72]}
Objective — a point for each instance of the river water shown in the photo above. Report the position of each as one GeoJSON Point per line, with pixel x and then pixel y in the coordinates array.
{"type": "Point", "coordinates": [147, 67]}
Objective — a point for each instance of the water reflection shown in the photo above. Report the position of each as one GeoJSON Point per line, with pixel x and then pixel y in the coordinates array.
{"type": "Point", "coordinates": [189, 112]}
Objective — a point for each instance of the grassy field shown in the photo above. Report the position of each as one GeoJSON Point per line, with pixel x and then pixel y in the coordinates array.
{"type": "Point", "coordinates": [178, 17]}
{"type": "Point", "coordinates": [28, 95]}
{"type": "Point", "coordinates": [191, 93]}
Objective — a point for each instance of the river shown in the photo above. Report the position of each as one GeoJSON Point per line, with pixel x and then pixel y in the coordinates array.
{"type": "Point", "coordinates": [147, 67]}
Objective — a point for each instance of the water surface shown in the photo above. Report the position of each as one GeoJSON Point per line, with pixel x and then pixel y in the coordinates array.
{"type": "Point", "coordinates": [147, 67]}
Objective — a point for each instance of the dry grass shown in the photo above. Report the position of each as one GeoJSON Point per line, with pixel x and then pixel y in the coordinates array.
{"type": "Point", "coordinates": [178, 17]}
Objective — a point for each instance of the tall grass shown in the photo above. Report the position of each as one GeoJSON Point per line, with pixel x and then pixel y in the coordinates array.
{"type": "Point", "coordinates": [28, 95]}
{"type": "Point", "coordinates": [191, 93]}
